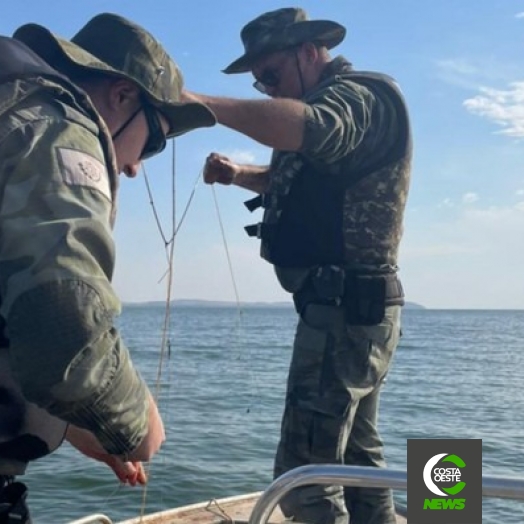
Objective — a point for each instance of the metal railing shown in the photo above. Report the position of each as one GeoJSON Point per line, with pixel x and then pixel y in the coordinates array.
{"type": "Point", "coordinates": [364, 477]}
{"type": "Point", "coordinates": [98, 518]}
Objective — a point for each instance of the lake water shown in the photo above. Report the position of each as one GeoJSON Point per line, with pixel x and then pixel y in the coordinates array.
{"type": "Point", "coordinates": [456, 374]}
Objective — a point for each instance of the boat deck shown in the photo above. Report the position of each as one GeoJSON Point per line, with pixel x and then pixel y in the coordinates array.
{"type": "Point", "coordinates": [232, 510]}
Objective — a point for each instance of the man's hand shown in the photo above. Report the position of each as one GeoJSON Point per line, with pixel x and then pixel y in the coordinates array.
{"type": "Point", "coordinates": [84, 441]}
{"type": "Point", "coordinates": [218, 168]}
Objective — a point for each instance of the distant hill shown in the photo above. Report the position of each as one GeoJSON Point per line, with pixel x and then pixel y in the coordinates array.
{"type": "Point", "coordinates": [224, 303]}
{"type": "Point", "coordinates": [414, 305]}
{"type": "Point", "coordinates": [210, 303]}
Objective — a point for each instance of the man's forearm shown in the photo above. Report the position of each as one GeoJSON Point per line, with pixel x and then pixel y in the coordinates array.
{"type": "Point", "coordinates": [254, 178]}
{"type": "Point", "coordinates": [277, 123]}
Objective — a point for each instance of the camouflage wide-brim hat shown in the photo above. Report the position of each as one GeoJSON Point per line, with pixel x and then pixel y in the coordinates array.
{"type": "Point", "coordinates": [282, 29]}
{"type": "Point", "coordinates": [112, 45]}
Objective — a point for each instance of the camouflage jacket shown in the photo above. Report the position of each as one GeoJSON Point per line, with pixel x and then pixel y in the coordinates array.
{"type": "Point", "coordinates": [65, 361]}
{"type": "Point", "coordinates": [341, 198]}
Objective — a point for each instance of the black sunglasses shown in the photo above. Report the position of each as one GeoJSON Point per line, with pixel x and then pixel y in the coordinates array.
{"type": "Point", "coordinates": [269, 78]}
{"type": "Point", "coordinates": [156, 140]}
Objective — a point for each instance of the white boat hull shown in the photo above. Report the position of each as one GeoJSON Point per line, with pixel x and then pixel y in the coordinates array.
{"type": "Point", "coordinates": [231, 510]}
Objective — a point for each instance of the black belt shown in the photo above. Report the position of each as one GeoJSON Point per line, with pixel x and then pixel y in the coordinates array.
{"type": "Point", "coordinates": [364, 296]}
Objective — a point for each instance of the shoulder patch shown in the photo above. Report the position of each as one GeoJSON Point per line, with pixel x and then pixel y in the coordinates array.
{"type": "Point", "coordinates": [80, 169]}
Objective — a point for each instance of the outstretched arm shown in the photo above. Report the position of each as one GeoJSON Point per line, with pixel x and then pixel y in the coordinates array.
{"type": "Point", "coordinates": [277, 123]}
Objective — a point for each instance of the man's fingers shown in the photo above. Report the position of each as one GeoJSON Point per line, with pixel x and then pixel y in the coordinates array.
{"type": "Point", "coordinates": [141, 476]}
{"type": "Point", "coordinates": [131, 473]}
{"type": "Point", "coordinates": [218, 168]}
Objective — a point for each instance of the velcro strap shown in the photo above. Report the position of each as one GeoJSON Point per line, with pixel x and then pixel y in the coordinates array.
{"type": "Point", "coordinates": [254, 203]}
{"type": "Point", "coordinates": [265, 201]}
{"type": "Point", "coordinates": [253, 230]}
{"type": "Point", "coordinates": [259, 230]}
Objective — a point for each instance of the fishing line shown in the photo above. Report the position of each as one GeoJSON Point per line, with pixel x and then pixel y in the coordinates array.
{"type": "Point", "coordinates": [186, 209]}
{"type": "Point", "coordinates": [233, 280]}
{"type": "Point", "coordinates": [169, 245]}
{"type": "Point", "coordinates": [112, 495]}
{"type": "Point", "coordinates": [184, 213]}
{"type": "Point", "coordinates": [240, 311]}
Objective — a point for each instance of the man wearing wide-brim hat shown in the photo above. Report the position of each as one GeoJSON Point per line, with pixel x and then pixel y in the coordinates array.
{"type": "Point", "coordinates": [333, 197]}
{"type": "Point", "coordinates": [74, 115]}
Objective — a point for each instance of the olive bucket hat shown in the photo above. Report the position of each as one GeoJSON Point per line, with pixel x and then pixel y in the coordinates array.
{"type": "Point", "coordinates": [112, 45]}
{"type": "Point", "coordinates": [281, 29]}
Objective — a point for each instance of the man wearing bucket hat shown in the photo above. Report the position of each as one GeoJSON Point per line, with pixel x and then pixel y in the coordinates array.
{"type": "Point", "coordinates": [74, 115]}
{"type": "Point", "coordinates": [333, 198]}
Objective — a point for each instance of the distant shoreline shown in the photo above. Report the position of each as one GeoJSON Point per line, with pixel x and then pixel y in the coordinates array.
{"type": "Point", "coordinates": [225, 303]}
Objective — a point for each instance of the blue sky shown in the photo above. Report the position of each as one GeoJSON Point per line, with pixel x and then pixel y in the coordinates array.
{"type": "Point", "coordinates": [461, 68]}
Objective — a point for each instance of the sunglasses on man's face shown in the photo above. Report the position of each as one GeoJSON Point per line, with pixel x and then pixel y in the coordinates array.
{"type": "Point", "coordinates": [268, 78]}
{"type": "Point", "coordinates": [271, 76]}
{"type": "Point", "coordinates": [156, 140]}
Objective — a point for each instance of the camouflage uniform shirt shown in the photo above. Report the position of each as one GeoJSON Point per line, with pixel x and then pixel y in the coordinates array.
{"type": "Point", "coordinates": [65, 361]}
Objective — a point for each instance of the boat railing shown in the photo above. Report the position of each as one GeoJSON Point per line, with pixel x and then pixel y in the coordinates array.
{"type": "Point", "coordinates": [98, 518]}
{"type": "Point", "coordinates": [364, 477]}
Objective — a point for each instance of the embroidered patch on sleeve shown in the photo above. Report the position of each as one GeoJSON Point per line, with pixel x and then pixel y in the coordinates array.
{"type": "Point", "coordinates": [81, 169]}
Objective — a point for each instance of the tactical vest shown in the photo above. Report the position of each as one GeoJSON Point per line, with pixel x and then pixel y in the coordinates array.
{"type": "Point", "coordinates": [309, 211]}
{"type": "Point", "coordinates": [26, 431]}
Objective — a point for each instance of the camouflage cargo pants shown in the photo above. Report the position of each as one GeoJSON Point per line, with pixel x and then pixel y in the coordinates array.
{"type": "Point", "coordinates": [331, 413]}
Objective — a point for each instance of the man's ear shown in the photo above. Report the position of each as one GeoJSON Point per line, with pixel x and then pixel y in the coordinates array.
{"type": "Point", "coordinates": [311, 52]}
{"type": "Point", "coordinates": [123, 95]}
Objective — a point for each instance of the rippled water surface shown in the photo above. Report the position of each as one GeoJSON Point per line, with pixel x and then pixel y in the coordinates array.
{"type": "Point", "coordinates": [456, 374]}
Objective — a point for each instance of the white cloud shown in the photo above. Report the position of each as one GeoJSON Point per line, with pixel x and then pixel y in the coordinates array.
{"type": "Point", "coordinates": [503, 107]}
{"type": "Point", "coordinates": [459, 72]}
{"type": "Point", "coordinates": [520, 192]}
{"type": "Point", "coordinates": [459, 66]}
{"type": "Point", "coordinates": [469, 198]}
{"type": "Point", "coordinates": [241, 156]}
{"type": "Point", "coordinates": [447, 202]}
{"type": "Point", "coordinates": [471, 72]}
{"type": "Point", "coordinates": [519, 15]}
